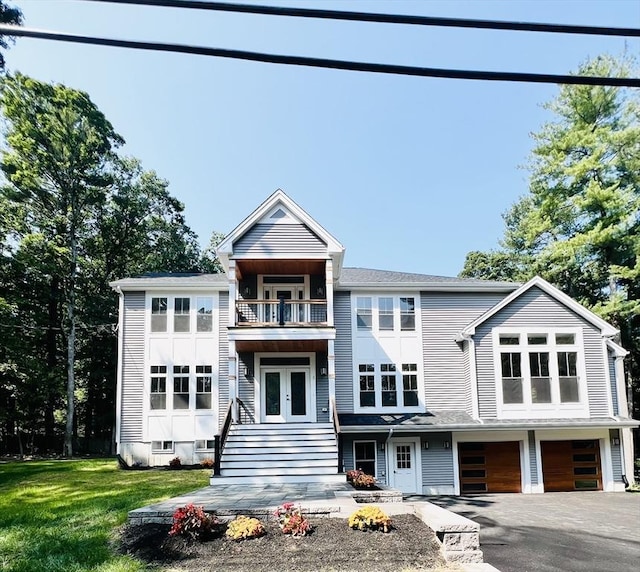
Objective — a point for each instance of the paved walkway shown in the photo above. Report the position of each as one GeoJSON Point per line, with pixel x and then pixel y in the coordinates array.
{"type": "Point", "coordinates": [554, 532]}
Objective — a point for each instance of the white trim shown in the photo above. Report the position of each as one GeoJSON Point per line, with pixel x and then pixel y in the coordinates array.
{"type": "Point", "coordinates": [602, 435]}
{"type": "Point", "coordinates": [605, 328]}
{"type": "Point", "coordinates": [617, 350]}
{"type": "Point", "coordinates": [527, 409]}
{"type": "Point", "coordinates": [607, 378]}
{"type": "Point", "coordinates": [275, 333]}
{"type": "Point", "coordinates": [375, 451]}
{"type": "Point", "coordinates": [621, 386]}
{"type": "Point", "coordinates": [390, 443]}
{"type": "Point", "coordinates": [331, 373]}
{"type": "Point", "coordinates": [475, 399]}
{"type": "Point", "coordinates": [522, 437]}
{"type": "Point", "coordinates": [119, 372]}
{"type": "Point", "coordinates": [312, 381]}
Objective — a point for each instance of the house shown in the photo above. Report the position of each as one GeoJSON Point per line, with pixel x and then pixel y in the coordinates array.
{"type": "Point", "coordinates": [291, 367]}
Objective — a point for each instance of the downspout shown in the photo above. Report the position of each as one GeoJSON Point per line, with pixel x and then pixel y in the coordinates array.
{"type": "Point", "coordinates": [386, 448]}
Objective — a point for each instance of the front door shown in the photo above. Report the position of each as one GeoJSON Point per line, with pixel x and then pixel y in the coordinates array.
{"type": "Point", "coordinates": [404, 466]}
{"type": "Point", "coordinates": [286, 395]}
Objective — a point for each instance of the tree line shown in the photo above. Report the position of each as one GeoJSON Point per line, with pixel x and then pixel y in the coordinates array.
{"type": "Point", "coordinates": [75, 213]}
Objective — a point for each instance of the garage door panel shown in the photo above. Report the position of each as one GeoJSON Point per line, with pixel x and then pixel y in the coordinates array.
{"type": "Point", "coordinates": [492, 467]}
{"type": "Point", "coordinates": [571, 465]}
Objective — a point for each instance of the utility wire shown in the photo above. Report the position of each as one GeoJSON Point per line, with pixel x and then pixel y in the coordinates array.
{"type": "Point", "coordinates": [385, 18]}
{"type": "Point", "coordinates": [322, 62]}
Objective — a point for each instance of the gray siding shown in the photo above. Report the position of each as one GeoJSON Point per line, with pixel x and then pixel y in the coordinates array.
{"type": "Point", "coordinates": [446, 369]}
{"type": "Point", "coordinates": [533, 459]}
{"type": "Point", "coordinates": [348, 456]}
{"type": "Point", "coordinates": [612, 376]}
{"type": "Point", "coordinates": [322, 389]}
{"type": "Point", "coordinates": [133, 374]}
{"type": "Point", "coordinates": [437, 462]}
{"type": "Point", "coordinates": [246, 390]}
{"type": "Point", "coordinates": [223, 352]}
{"type": "Point", "coordinates": [344, 352]}
{"type": "Point", "coordinates": [531, 309]}
{"type": "Point", "coordinates": [267, 239]}
{"type": "Point", "coordinates": [616, 456]}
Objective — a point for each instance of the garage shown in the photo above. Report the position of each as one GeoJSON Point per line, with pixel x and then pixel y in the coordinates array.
{"type": "Point", "coordinates": [492, 467]}
{"type": "Point", "coordinates": [571, 465]}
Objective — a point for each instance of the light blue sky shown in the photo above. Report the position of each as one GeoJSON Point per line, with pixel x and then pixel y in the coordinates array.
{"type": "Point", "coordinates": [408, 173]}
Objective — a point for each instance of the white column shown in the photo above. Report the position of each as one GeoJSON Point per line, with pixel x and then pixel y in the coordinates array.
{"type": "Point", "coordinates": [233, 380]}
{"type": "Point", "coordinates": [329, 291]}
{"type": "Point", "coordinates": [331, 370]}
{"type": "Point", "coordinates": [231, 273]}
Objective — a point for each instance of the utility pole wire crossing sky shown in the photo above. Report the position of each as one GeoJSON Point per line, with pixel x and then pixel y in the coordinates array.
{"type": "Point", "coordinates": [384, 18]}
{"type": "Point", "coordinates": [18, 31]}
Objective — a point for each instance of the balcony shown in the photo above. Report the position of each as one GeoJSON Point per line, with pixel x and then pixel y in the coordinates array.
{"type": "Point", "coordinates": [282, 312]}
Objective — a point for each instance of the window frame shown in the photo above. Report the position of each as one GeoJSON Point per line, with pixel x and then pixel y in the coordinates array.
{"type": "Point", "coordinates": [375, 454]}
{"type": "Point", "coordinates": [529, 343]}
{"type": "Point", "coordinates": [399, 371]}
{"type": "Point", "coordinates": [370, 305]}
{"type": "Point", "coordinates": [162, 449]}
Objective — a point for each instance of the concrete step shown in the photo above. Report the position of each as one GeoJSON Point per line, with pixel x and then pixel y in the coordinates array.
{"type": "Point", "coordinates": [282, 470]}
{"type": "Point", "coordinates": [273, 479]}
{"type": "Point", "coordinates": [241, 455]}
{"type": "Point", "coordinates": [285, 464]}
{"type": "Point", "coordinates": [281, 426]}
{"type": "Point", "coordinates": [259, 438]}
{"type": "Point", "coordinates": [280, 448]}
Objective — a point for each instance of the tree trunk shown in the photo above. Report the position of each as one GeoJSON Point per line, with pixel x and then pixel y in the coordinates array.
{"type": "Point", "coordinates": [71, 344]}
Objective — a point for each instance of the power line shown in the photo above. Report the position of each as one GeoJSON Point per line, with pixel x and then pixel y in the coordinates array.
{"type": "Point", "coordinates": [323, 62]}
{"type": "Point", "coordinates": [385, 18]}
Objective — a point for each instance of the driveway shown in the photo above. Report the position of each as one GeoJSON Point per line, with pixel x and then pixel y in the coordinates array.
{"type": "Point", "coordinates": [555, 532]}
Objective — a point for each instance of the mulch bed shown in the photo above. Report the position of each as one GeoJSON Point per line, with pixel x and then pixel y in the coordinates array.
{"type": "Point", "coordinates": [332, 546]}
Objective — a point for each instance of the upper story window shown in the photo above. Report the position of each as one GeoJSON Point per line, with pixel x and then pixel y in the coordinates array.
{"type": "Point", "coordinates": [203, 386]}
{"type": "Point", "coordinates": [158, 314]}
{"type": "Point", "coordinates": [379, 388]}
{"type": "Point", "coordinates": [204, 320]}
{"type": "Point", "coordinates": [385, 313]}
{"type": "Point", "coordinates": [540, 369]}
{"type": "Point", "coordinates": [158, 387]}
{"type": "Point", "coordinates": [181, 315]}
{"type": "Point", "coordinates": [181, 387]}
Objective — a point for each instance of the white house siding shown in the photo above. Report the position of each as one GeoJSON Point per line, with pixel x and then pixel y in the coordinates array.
{"type": "Point", "coordinates": [535, 308]}
{"type": "Point", "coordinates": [133, 374]}
{"type": "Point", "coordinates": [265, 239]}
{"type": "Point", "coordinates": [437, 465]}
{"type": "Point", "coordinates": [446, 369]}
{"type": "Point", "coordinates": [343, 352]}
{"type": "Point", "coordinates": [223, 357]}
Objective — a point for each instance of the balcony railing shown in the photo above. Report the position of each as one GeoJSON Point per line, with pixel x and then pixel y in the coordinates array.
{"type": "Point", "coordinates": [281, 312]}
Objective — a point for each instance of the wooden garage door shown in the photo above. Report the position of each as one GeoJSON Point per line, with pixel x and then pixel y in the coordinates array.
{"type": "Point", "coordinates": [571, 465]}
{"type": "Point", "coordinates": [489, 467]}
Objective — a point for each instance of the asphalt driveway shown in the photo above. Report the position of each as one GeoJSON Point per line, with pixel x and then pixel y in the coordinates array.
{"type": "Point", "coordinates": [555, 532]}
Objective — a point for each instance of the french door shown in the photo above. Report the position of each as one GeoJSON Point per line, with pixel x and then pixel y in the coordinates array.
{"type": "Point", "coordinates": [288, 311]}
{"type": "Point", "coordinates": [285, 395]}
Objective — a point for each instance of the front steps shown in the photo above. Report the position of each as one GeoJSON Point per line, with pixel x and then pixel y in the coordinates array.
{"type": "Point", "coordinates": [269, 453]}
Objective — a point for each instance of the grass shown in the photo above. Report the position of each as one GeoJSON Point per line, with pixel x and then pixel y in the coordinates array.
{"type": "Point", "coordinates": [62, 515]}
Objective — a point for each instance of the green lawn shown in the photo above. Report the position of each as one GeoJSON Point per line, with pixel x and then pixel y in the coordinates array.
{"type": "Point", "coordinates": [62, 515]}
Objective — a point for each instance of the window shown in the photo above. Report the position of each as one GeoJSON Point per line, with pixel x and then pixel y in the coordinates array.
{"type": "Point", "coordinates": [540, 379]}
{"type": "Point", "coordinates": [363, 313]}
{"type": "Point", "coordinates": [205, 445]}
{"type": "Point", "coordinates": [204, 320]}
{"type": "Point", "coordinates": [181, 315]}
{"type": "Point", "coordinates": [539, 369]}
{"type": "Point", "coordinates": [568, 377]}
{"type": "Point", "coordinates": [511, 378]}
{"type": "Point", "coordinates": [365, 456]}
{"type": "Point", "coordinates": [385, 313]}
{"type": "Point", "coordinates": [158, 387]}
{"type": "Point", "coordinates": [407, 314]}
{"type": "Point", "coordinates": [181, 387]}
{"type": "Point", "coordinates": [162, 446]}
{"type": "Point", "coordinates": [389, 391]}
{"type": "Point", "coordinates": [203, 387]}
{"type": "Point", "coordinates": [158, 314]}
{"type": "Point", "coordinates": [410, 384]}
{"type": "Point", "coordinates": [367, 385]}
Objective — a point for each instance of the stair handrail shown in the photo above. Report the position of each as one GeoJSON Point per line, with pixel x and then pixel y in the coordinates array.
{"type": "Point", "coordinates": [220, 438]}
{"type": "Point", "coordinates": [338, 434]}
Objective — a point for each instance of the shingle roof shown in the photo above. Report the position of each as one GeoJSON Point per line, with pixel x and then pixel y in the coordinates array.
{"type": "Point", "coordinates": [371, 277]}
{"type": "Point", "coordinates": [171, 279]}
{"type": "Point", "coordinates": [439, 420]}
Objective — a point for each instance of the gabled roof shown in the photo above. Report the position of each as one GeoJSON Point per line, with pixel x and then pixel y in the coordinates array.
{"type": "Point", "coordinates": [367, 278]}
{"type": "Point", "coordinates": [606, 329]}
{"type": "Point", "coordinates": [280, 205]}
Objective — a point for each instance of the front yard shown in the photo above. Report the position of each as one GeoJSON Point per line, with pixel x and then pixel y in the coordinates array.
{"type": "Point", "coordinates": [62, 515]}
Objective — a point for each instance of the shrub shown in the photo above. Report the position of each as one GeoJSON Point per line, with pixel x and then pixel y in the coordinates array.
{"type": "Point", "coordinates": [360, 479]}
{"type": "Point", "coordinates": [175, 463]}
{"type": "Point", "coordinates": [206, 463]}
{"type": "Point", "coordinates": [243, 527]}
{"type": "Point", "coordinates": [370, 518]}
{"type": "Point", "coordinates": [291, 521]}
{"type": "Point", "coordinates": [193, 522]}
